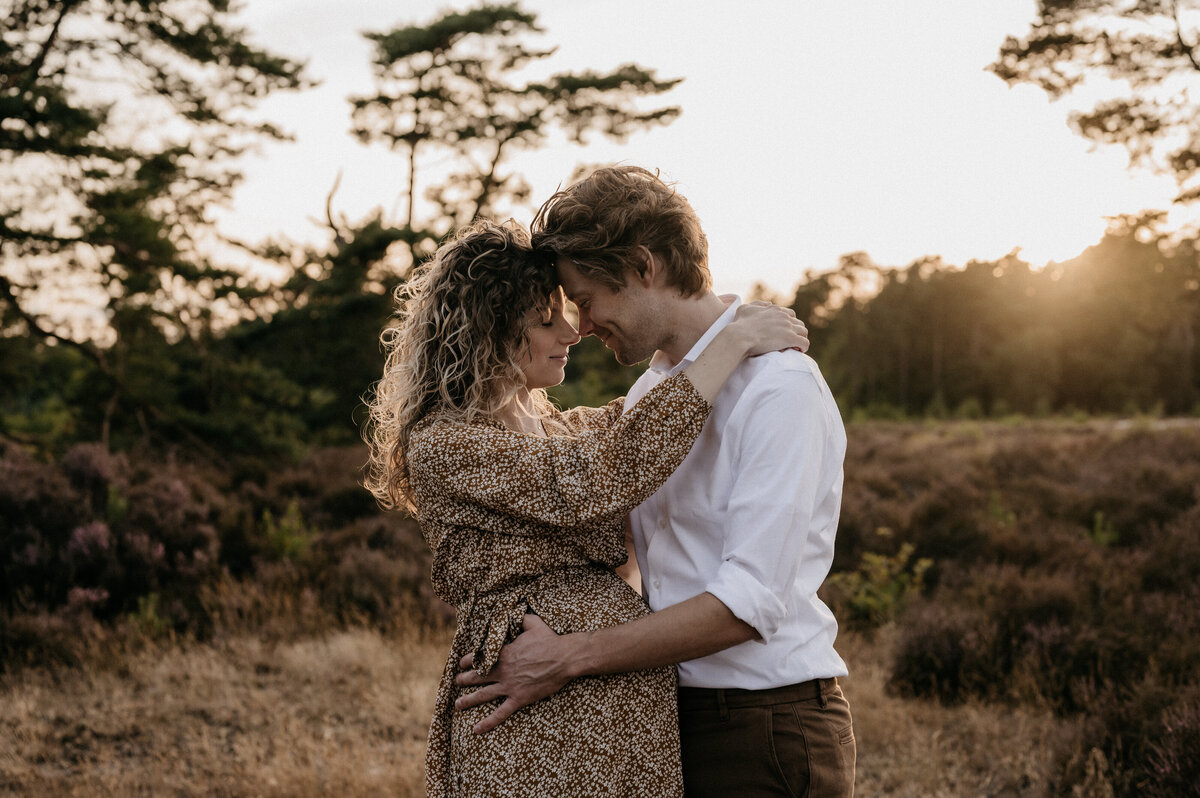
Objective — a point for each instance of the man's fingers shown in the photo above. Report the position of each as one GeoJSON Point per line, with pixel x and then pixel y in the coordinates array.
{"type": "Point", "coordinates": [470, 678]}
{"type": "Point", "coordinates": [466, 663]}
{"type": "Point", "coordinates": [531, 621]}
{"type": "Point", "coordinates": [483, 695]}
{"type": "Point", "coordinates": [498, 716]}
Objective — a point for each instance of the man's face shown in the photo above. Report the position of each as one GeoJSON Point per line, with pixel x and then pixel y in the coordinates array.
{"type": "Point", "coordinates": [625, 319]}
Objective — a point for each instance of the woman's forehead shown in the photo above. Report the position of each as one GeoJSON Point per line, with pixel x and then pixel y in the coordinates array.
{"type": "Point", "coordinates": [554, 303]}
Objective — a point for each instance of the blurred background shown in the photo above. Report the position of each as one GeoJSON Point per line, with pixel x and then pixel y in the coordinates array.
{"type": "Point", "coordinates": [986, 212]}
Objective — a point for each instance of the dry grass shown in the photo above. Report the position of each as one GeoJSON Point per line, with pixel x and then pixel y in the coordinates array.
{"type": "Point", "coordinates": [346, 715]}
{"type": "Point", "coordinates": [921, 749]}
{"type": "Point", "coordinates": [343, 715]}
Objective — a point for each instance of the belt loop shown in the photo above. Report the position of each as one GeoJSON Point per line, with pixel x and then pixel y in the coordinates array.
{"type": "Point", "coordinates": [722, 707]}
{"type": "Point", "coordinates": [821, 692]}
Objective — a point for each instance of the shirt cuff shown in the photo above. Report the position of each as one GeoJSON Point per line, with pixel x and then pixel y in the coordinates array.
{"type": "Point", "coordinates": [748, 599]}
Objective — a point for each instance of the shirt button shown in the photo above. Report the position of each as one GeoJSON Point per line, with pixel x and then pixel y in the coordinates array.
{"type": "Point", "coordinates": [657, 584]}
{"type": "Point", "coordinates": [662, 523]}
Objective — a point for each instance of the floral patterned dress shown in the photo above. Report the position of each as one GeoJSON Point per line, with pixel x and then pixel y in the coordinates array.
{"type": "Point", "coordinates": [519, 523]}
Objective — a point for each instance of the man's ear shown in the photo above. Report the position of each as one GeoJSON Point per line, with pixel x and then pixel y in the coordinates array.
{"type": "Point", "coordinates": [648, 267]}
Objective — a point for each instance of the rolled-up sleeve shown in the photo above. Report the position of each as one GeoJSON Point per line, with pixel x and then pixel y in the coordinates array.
{"type": "Point", "coordinates": [784, 439]}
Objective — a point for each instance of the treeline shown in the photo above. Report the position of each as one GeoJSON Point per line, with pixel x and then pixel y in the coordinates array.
{"type": "Point", "coordinates": [1111, 331]}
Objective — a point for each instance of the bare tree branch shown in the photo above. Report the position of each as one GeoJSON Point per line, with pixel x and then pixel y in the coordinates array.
{"type": "Point", "coordinates": [31, 321]}
{"type": "Point", "coordinates": [339, 240]}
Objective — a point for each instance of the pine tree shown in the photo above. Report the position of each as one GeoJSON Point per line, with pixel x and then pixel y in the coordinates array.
{"type": "Point", "coordinates": [119, 120]}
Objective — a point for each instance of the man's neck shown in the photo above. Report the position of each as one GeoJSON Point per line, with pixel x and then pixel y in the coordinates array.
{"type": "Point", "coordinates": [690, 319]}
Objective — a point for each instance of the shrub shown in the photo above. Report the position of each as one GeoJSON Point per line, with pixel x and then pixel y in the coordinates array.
{"type": "Point", "coordinates": [1065, 575]}
{"type": "Point", "coordinates": [947, 653]}
{"type": "Point", "coordinates": [878, 590]}
{"type": "Point", "coordinates": [98, 541]}
{"type": "Point", "coordinates": [1173, 761]}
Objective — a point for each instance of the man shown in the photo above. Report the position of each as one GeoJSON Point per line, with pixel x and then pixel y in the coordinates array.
{"type": "Point", "coordinates": [734, 546]}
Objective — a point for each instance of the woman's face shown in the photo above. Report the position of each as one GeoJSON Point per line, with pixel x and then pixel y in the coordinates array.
{"type": "Point", "coordinates": [550, 335]}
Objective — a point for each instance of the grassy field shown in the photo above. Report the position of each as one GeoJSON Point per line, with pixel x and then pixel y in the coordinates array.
{"type": "Point", "coordinates": [346, 715]}
{"type": "Point", "coordinates": [341, 715]}
{"type": "Point", "coordinates": [1018, 599]}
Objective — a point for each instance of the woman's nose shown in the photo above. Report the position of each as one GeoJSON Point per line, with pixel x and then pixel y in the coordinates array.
{"type": "Point", "coordinates": [567, 333]}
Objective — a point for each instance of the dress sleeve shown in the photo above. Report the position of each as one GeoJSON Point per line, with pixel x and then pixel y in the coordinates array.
{"type": "Point", "coordinates": [581, 419]}
{"type": "Point", "coordinates": [560, 481]}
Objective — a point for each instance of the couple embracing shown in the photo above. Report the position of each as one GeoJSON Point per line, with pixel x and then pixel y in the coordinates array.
{"type": "Point", "coordinates": [709, 668]}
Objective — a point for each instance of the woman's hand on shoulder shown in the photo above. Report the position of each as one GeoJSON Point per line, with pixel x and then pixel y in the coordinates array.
{"type": "Point", "coordinates": [770, 328]}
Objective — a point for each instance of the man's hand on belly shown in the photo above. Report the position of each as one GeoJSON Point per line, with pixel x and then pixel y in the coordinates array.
{"type": "Point", "coordinates": [531, 667]}
{"type": "Point", "coordinates": [539, 662]}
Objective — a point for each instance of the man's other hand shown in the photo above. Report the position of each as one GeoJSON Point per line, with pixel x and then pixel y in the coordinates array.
{"type": "Point", "coordinates": [529, 668]}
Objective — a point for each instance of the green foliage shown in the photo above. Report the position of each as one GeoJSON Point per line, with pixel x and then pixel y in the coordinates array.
{"type": "Point", "coordinates": [1103, 534]}
{"type": "Point", "coordinates": [446, 88]}
{"type": "Point", "coordinates": [290, 537]}
{"type": "Point", "coordinates": [116, 506]}
{"type": "Point", "coordinates": [879, 589]}
{"type": "Point", "coordinates": [148, 619]}
{"type": "Point", "coordinates": [37, 381]}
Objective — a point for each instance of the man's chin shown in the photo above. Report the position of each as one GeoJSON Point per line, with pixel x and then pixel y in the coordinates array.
{"type": "Point", "coordinates": [623, 354]}
{"type": "Point", "coordinates": [628, 358]}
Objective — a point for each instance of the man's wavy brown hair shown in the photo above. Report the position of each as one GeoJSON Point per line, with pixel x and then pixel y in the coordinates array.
{"type": "Point", "coordinates": [599, 222]}
{"type": "Point", "coordinates": [462, 322]}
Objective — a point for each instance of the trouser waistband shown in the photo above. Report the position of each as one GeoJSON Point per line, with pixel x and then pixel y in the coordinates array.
{"type": "Point", "coordinates": [702, 698]}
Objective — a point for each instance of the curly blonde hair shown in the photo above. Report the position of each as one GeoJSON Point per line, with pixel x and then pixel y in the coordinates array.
{"type": "Point", "coordinates": [463, 320]}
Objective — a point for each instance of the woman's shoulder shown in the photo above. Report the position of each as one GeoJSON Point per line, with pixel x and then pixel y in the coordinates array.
{"type": "Point", "coordinates": [440, 430]}
{"type": "Point", "coordinates": [440, 448]}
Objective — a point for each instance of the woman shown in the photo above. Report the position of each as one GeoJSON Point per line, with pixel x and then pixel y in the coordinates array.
{"type": "Point", "coordinates": [522, 506]}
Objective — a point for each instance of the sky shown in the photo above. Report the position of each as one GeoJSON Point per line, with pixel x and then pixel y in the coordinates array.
{"type": "Point", "coordinates": [809, 130]}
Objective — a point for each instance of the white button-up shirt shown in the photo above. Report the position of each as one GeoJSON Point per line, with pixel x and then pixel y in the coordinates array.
{"type": "Point", "coordinates": [750, 516]}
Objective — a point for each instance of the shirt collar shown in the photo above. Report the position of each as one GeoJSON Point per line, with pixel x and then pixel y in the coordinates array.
{"type": "Point", "coordinates": [662, 364]}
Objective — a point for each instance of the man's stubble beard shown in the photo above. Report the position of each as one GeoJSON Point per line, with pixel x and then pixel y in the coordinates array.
{"type": "Point", "coordinates": [639, 345]}
{"type": "Point", "coordinates": [629, 360]}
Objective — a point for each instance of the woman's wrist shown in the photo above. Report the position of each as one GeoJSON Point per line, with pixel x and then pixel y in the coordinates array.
{"type": "Point", "coordinates": [736, 337]}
